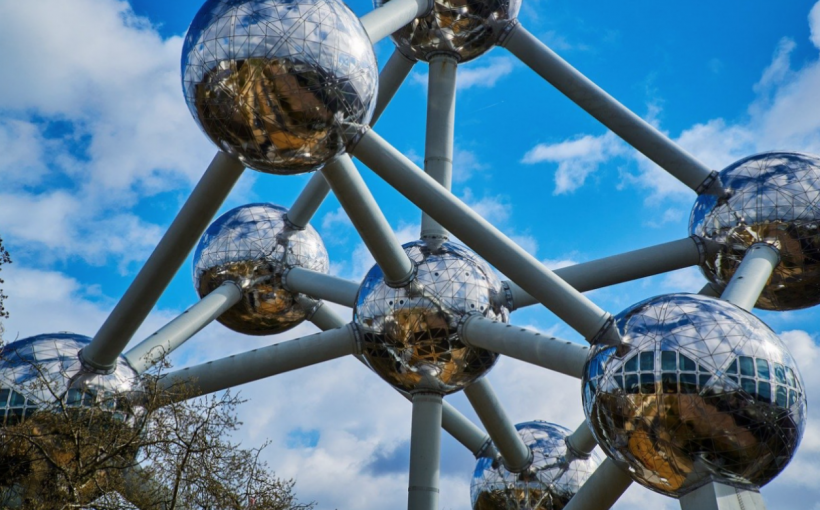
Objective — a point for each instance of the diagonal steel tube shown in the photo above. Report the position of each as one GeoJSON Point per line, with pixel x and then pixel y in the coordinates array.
{"type": "Point", "coordinates": [321, 286]}
{"type": "Point", "coordinates": [171, 336]}
{"type": "Point", "coordinates": [634, 130]}
{"type": "Point", "coordinates": [205, 200]}
{"type": "Point", "coordinates": [456, 424]}
{"type": "Point", "coordinates": [308, 201]}
{"type": "Point", "coordinates": [425, 452]}
{"type": "Point", "coordinates": [260, 363]}
{"type": "Point", "coordinates": [514, 453]}
{"type": "Point", "coordinates": [369, 221]}
{"type": "Point", "coordinates": [391, 16]}
{"type": "Point", "coordinates": [552, 353]}
{"type": "Point", "coordinates": [581, 442]}
{"type": "Point", "coordinates": [393, 74]}
{"type": "Point", "coordinates": [440, 134]}
{"type": "Point", "coordinates": [602, 489]}
{"type": "Point", "coordinates": [751, 276]}
{"type": "Point", "coordinates": [499, 250]}
{"type": "Point", "coordinates": [625, 267]}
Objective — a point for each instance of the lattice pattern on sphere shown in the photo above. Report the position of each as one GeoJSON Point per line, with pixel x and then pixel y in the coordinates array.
{"type": "Point", "coordinates": [465, 29]}
{"type": "Point", "coordinates": [252, 246]}
{"type": "Point", "coordinates": [276, 83]}
{"type": "Point", "coordinates": [774, 198]}
{"type": "Point", "coordinates": [700, 390]}
{"type": "Point", "coordinates": [32, 368]}
{"type": "Point", "coordinates": [410, 333]}
{"type": "Point", "coordinates": [553, 478]}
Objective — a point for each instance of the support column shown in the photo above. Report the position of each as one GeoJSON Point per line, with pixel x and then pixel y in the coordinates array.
{"type": "Point", "coordinates": [183, 234]}
{"type": "Point", "coordinates": [552, 353]}
{"type": "Point", "coordinates": [438, 148]}
{"type": "Point", "coordinates": [320, 286]}
{"type": "Point", "coordinates": [260, 363]}
{"type": "Point", "coordinates": [516, 455]}
{"type": "Point", "coordinates": [582, 442]}
{"type": "Point", "coordinates": [634, 130]}
{"type": "Point", "coordinates": [166, 340]}
{"type": "Point", "coordinates": [308, 201]}
{"type": "Point", "coordinates": [716, 496]}
{"type": "Point", "coordinates": [391, 16]}
{"type": "Point", "coordinates": [393, 74]}
{"type": "Point", "coordinates": [751, 275]}
{"type": "Point", "coordinates": [369, 221]}
{"type": "Point", "coordinates": [499, 250]}
{"type": "Point", "coordinates": [425, 452]}
{"type": "Point", "coordinates": [602, 489]}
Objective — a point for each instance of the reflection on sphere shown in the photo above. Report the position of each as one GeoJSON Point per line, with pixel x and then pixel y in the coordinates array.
{"type": "Point", "coordinates": [553, 478]}
{"type": "Point", "coordinates": [465, 29]}
{"type": "Point", "coordinates": [410, 335]}
{"type": "Point", "coordinates": [32, 368]}
{"type": "Point", "coordinates": [252, 246]}
{"type": "Point", "coordinates": [277, 82]}
{"type": "Point", "coordinates": [774, 198]}
{"type": "Point", "coordinates": [699, 391]}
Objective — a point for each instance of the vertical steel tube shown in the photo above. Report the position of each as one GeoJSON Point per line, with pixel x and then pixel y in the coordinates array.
{"type": "Point", "coordinates": [623, 122]}
{"type": "Point", "coordinates": [552, 353]}
{"type": "Point", "coordinates": [393, 74]}
{"type": "Point", "coordinates": [368, 219]}
{"type": "Point", "coordinates": [516, 455]}
{"type": "Point", "coordinates": [425, 452]}
{"type": "Point", "coordinates": [171, 336]}
{"type": "Point", "coordinates": [206, 199]}
{"type": "Point", "coordinates": [308, 201]}
{"type": "Point", "coordinates": [602, 489]}
{"type": "Point", "coordinates": [751, 276]}
{"type": "Point", "coordinates": [438, 147]}
{"type": "Point", "coordinates": [383, 21]}
{"type": "Point", "coordinates": [499, 250]}
{"type": "Point", "coordinates": [717, 496]}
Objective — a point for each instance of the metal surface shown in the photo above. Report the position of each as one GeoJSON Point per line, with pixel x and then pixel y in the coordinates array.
{"type": "Point", "coordinates": [320, 286]}
{"type": "Point", "coordinates": [699, 391]}
{"type": "Point", "coordinates": [716, 496]}
{"type": "Point", "coordinates": [551, 481]}
{"type": "Point", "coordinates": [386, 19]}
{"type": "Point", "coordinates": [277, 82]}
{"type": "Point", "coordinates": [36, 371]}
{"type": "Point", "coordinates": [751, 276]}
{"type": "Point", "coordinates": [440, 134]}
{"type": "Point", "coordinates": [162, 265]}
{"type": "Point", "coordinates": [260, 363]}
{"type": "Point", "coordinates": [626, 267]}
{"type": "Point", "coordinates": [410, 334]}
{"type": "Point", "coordinates": [425, 452]}
{"type": "Point", "coordinates": [252, 246]}
{"type": "Point", "coordinates": [171, 336]}
{"type": "Point", "coordinates": [308, 201]}
{"type": "Point", "coordinates": [393, 74]}
{"type": "Point", "coordinates": [581, 441]}
{"type": "Point", "coordinates": [368, 219]}
{"type": "Point", "coordinates": [464, 29]}
{"type": "Point", "coordinates": [634, 130]}
{"type": "Point", "coordinates": [552, 353]}
{"type": "Point", "coordinates": [499, 250]}
{"type": "Point", "coordinates": [773, 198]}
{"type": "Point", "coordinates": [515, 455]}
{"type": "Point", "coordinates": [602, 489]}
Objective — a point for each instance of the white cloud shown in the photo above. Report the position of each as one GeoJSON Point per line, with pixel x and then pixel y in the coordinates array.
{"type": "Point", "coordinates": [814, 24]}
{"type": "Point", "coordinates": [470, 75]}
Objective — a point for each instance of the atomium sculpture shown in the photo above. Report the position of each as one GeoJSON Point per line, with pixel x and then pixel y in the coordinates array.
{"type": "Point", "coordinates": [689, 395]}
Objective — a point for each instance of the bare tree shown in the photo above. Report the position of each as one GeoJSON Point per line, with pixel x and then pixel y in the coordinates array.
{"type": "Point", "coordinates": [5, 258]}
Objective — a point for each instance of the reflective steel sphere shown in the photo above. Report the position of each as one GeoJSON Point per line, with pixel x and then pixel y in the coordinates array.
{"type": "Point", "coordinates": [554, 477]}
{"type": "Point", "coordinates": [773, 198]}
{"type": "Point", "coordinates": [32, 368]}
{"type": "Point", "coordinates": [277, 82]}
{"type": "Point", "coordinates": [465, 29]}
{"type": "Point", "coordinates": [409, 334]}
{"type": "Point", "coordinates": [252, 246]}
{"type": "Point", "coordinates": [699, 391]}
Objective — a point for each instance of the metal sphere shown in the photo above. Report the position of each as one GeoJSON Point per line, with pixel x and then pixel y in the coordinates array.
{"type": "Point", "coordinates": [277, 83]}
{"type": "Point", "coordinates": [699, 391]}
{"type": "Point", "coordinates": [410, 334]}
{"type": "Point", "coordinates": [464, 29]}
{"type": "Point", "coordinates": [554, 477]}
{"type": "Point", "coordinates": [252, 246]}
{"type": "Point", "coordinates": [773, 198]}
{"type": "Point", "coordinates": [32, 368]}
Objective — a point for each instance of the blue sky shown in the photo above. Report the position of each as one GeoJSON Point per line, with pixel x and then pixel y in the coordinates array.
{"type": "Point", "coordinates": [99, 151]}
